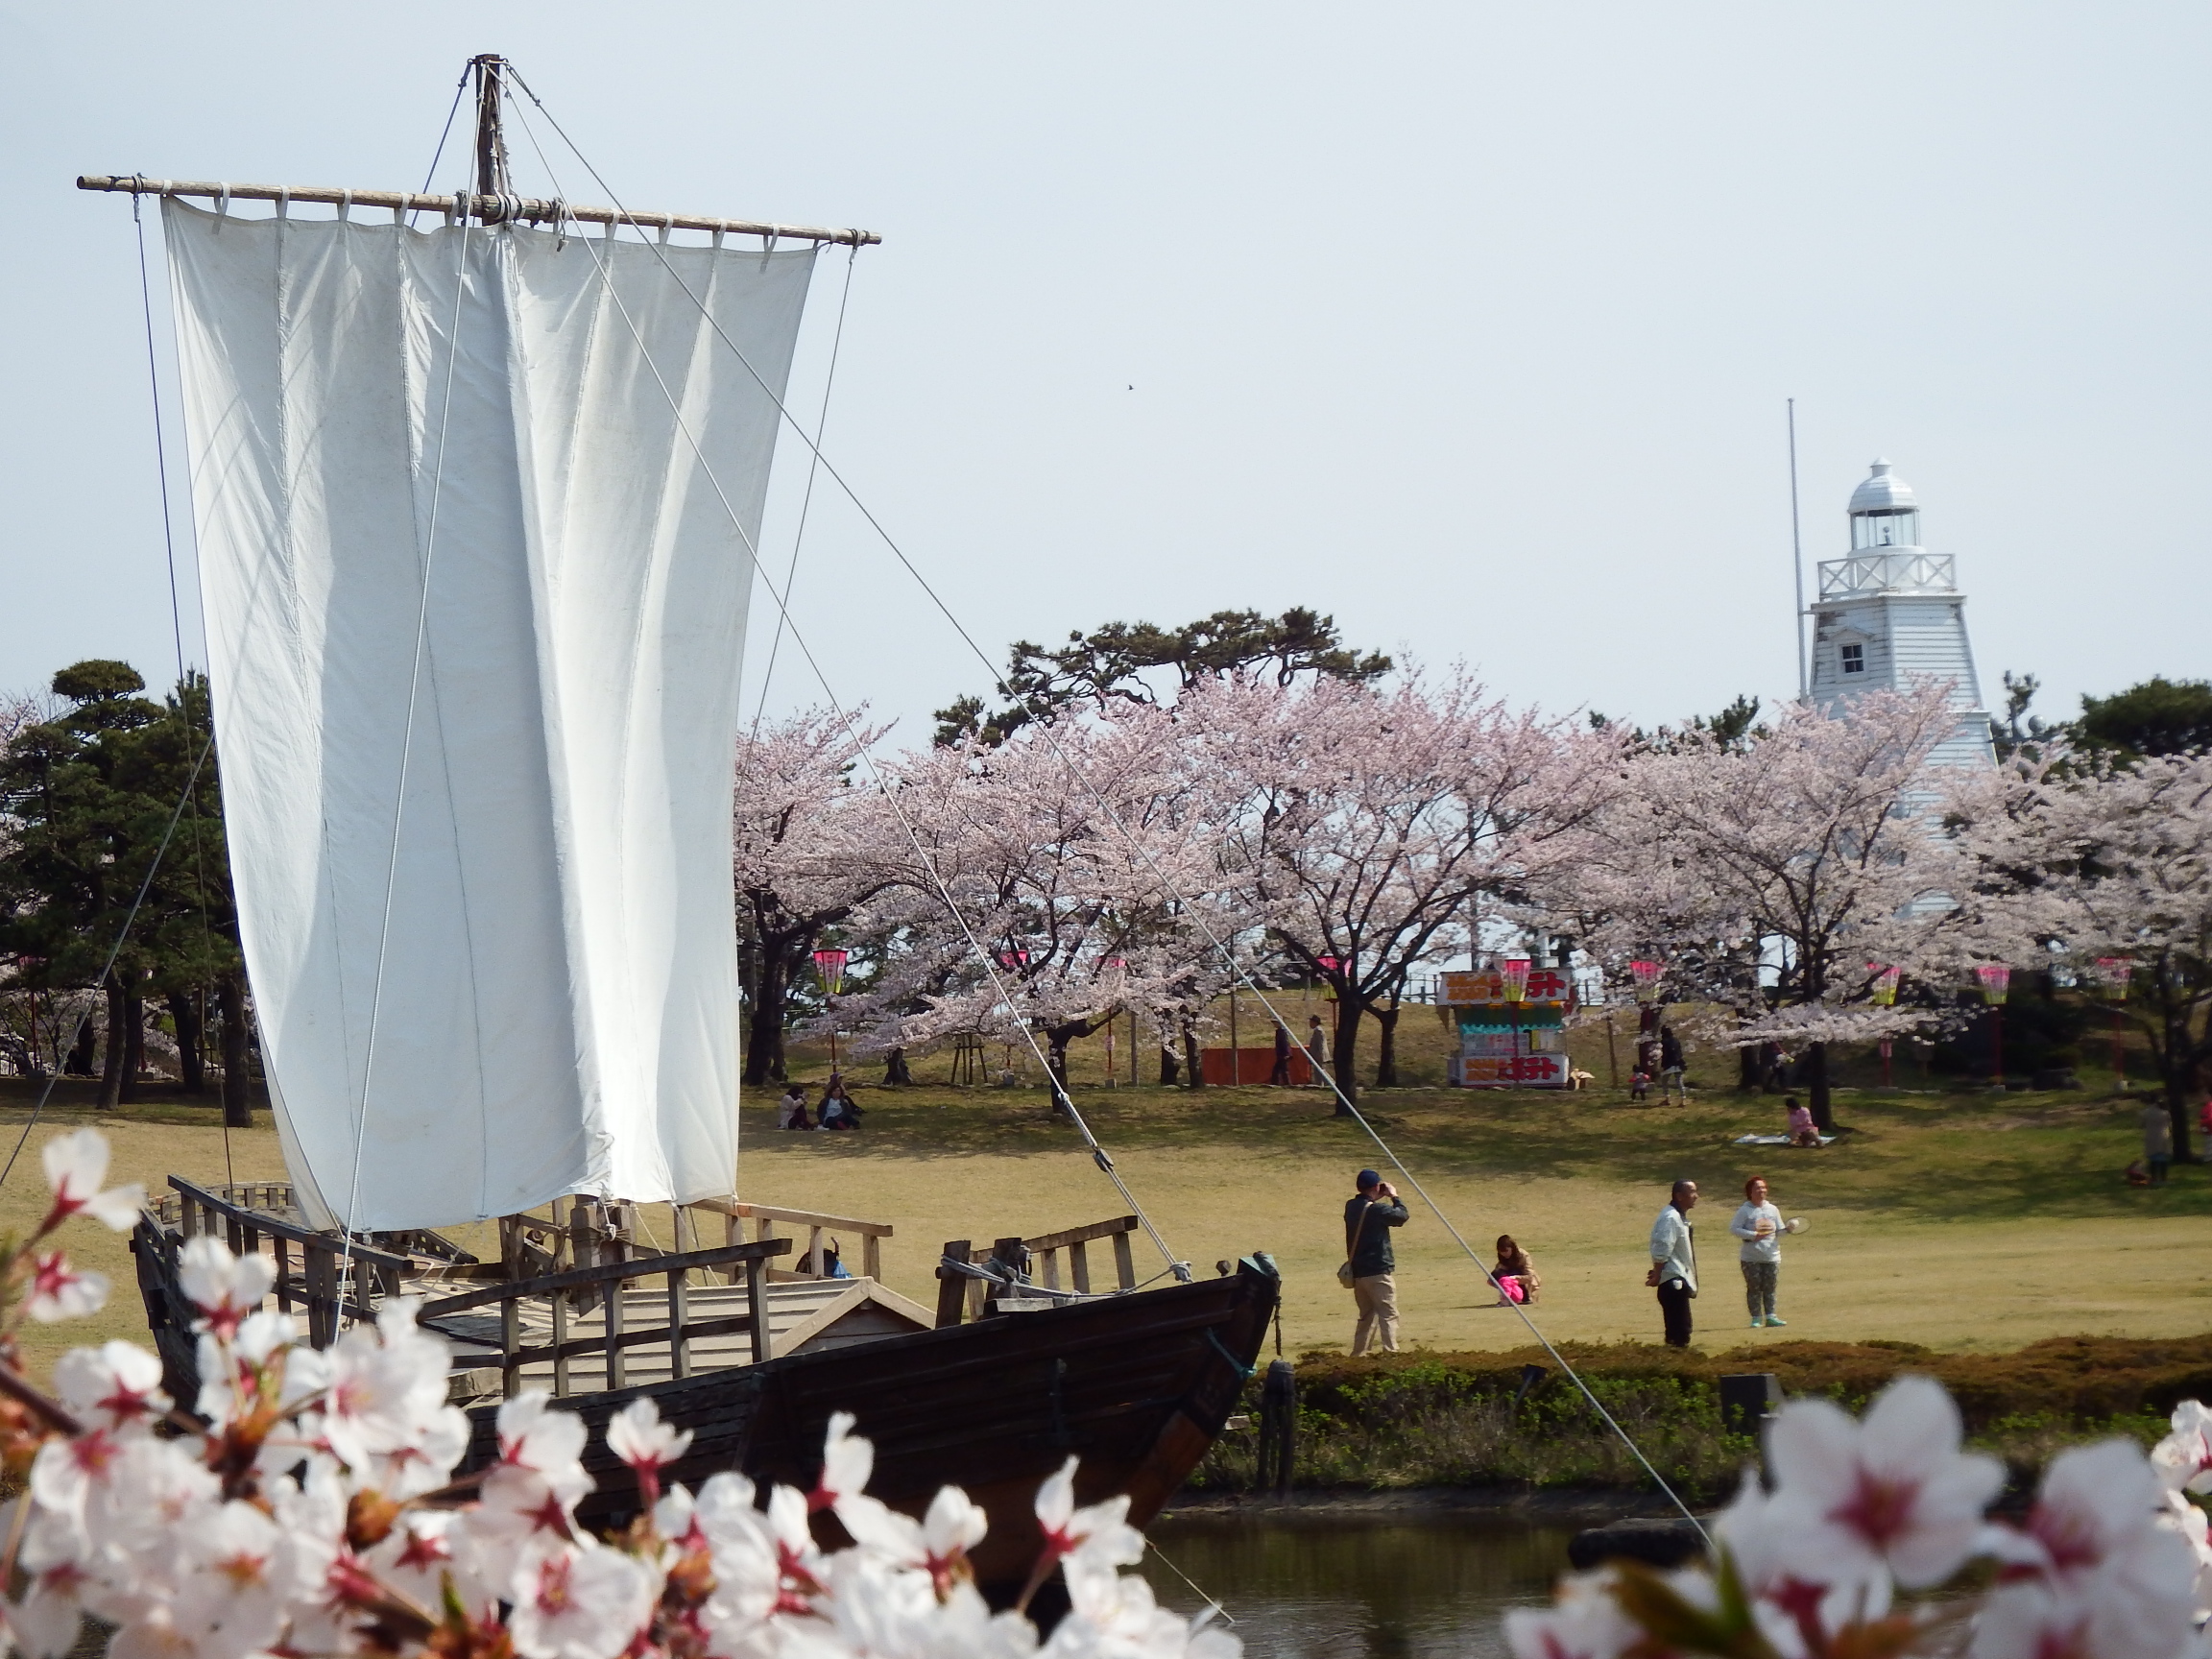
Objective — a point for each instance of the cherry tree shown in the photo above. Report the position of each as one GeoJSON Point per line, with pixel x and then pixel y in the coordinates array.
{"type": "Point", "coordinates": [1818, 848]}
{"type": "Point", "coordinates": [2103, 860]}
{"type": "Point", "coordinates": [1048, 884]}
{"type": "Point", "coordinates": [798, 817]}
{"type": "Point", "coordinates": [1371, 824]}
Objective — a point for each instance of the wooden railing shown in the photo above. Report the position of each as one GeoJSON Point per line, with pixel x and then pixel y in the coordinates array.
{"type": "Point", "coordinates": [765, 1219]}
{"type": "Point", "coordinates": [606, 1282]}
{"type": "Point", "coordinates": [958, 1295]}
{"type": "Point", "coordinates": [330, 1281]}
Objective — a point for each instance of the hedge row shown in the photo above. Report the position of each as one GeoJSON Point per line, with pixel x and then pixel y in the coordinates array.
{"type": "Point", "coordinates": [1422, 1419]}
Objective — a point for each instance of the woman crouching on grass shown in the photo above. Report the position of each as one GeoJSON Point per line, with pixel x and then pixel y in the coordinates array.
{"type": "Point", "coordinates": [1759, 1224]}
{"type": "Point", "coordinates": [1515, 1273]}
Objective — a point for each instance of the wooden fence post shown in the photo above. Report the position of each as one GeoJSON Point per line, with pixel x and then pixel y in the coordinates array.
{"type": "Point", "coordinates": [679, 1311]}
{"type": "Point", "coordinates": [756, 1304]}
{"type": "Point", "coordinates": [951, 1286]}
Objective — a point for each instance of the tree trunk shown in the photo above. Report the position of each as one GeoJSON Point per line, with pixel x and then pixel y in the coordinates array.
{"type": "Point", "coordinates": [2179, 1073]}
{"type": "Point", "coordinates": [117, 1047]}
{"type": "Point", "coordinates": [1344, 1054]}
{"type": "Point", "coordinates": [238, 1086]}
{"type": "Point", "coordinates": [134, 1041]}
{"type": "Point", "coordinates": [1191, 1060]}
{"type": "Point", "coordinates": [764, 1031]}
{"type": "Point", "coordinates": [185, 1010]}
{"type": "Point", "coordinates": [78, 1062]}
{"type": "Point", "coordinates": [1749, 1067]}
{"type": "Point", "coordinates": [1816, 1086]}
{"type": "Point", "coordinates": [1056, 1041]}
{"type": "Point", "coordinates": [1386, 1046]}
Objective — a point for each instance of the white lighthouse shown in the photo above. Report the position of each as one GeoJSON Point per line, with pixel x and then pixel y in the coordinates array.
{"type": "Point", "coordinates": [1890, 612]}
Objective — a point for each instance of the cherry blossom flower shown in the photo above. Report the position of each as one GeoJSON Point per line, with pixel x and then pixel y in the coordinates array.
{"type": "Point", "coordinates": [116, 1385]}
{"type": "Point", "coordinates": [847, 1463]}
{"type": "Point", "coordinates": [1797, 1605]}
{"type": "Point", "coordinates": [1893, 1491]}
{"type": "Point", "coordinates": [2183, 1459]}
{"type": "Point", "coordinates": [225, 1287]}
{"type": "Point", "coordinates": [383, 1392]}
{"type": "Point", "coordinates": [1097, 1536]}
{"type": "Point", "coordinates": [57, 1290]}
{"type": "Point", "coordinates": [1584, 1622]}
{"type": "Point", "coordinates": [532, 1436]}
{"type": "Point", "coordinates": [76, 1165]}
{"type": "Point", "coordinates": [2096, 1559]}
{"type": "Point", "coordinates": [580, 1604]}
{"type": "Point", "coordinates": [638, 1436]}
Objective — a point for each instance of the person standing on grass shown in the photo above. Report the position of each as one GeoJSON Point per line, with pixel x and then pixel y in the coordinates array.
{"type": "Point", "coordinates": [2157, 1142]}
{"type": "Point", "coordinates": [1368, 1217]}
{"type": "Point", "coordinates": [1671, 1067]}
{"type": "Point", "coordinates": [1279, 1078]}
{"type": "Point", "coordinates": [1317, 1048]}
{"type": "Point", "coordinates": [1759, 1225]}
{"type": "Point", "coordinates": [1674, 1263]}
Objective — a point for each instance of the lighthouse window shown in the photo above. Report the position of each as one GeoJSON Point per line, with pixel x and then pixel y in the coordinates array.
{"type": "Point", "coordinates": [1899, 529]}
{"type": "Point", "coordinates": [1854, 658]}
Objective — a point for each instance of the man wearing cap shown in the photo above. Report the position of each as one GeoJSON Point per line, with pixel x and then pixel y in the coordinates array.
{"type": "Point", "coordinates": [1368, 1218]}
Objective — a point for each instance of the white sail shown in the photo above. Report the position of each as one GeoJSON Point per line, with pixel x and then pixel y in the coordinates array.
{"type": "Point", "coordinates": [537, 936]}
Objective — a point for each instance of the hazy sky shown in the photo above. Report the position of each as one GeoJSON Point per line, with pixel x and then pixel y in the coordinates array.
{"type": "Point", "coordinates": [1470, 324]}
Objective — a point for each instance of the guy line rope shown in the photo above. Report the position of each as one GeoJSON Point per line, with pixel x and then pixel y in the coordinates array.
{"type": "Point", "coordinates": [1167, 884]}
{"type": "Point", "coordinates": [1241, 974]}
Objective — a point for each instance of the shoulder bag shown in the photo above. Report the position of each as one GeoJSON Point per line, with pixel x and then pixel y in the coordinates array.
{"type": "Point", "coordinates": [1344, 1274]}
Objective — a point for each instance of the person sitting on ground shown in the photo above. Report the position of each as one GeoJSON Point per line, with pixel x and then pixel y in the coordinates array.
{"type": "Point", "coordinates": [832, 1261]}
{"type": "Point", "coordinates": [839, 1110]}
{"type": "Point", "coordinates": [791, 1110]}
{"type": "Point", "coordinates": [1803, 1131]}
{"type": "Point", "coordinates": [1515, 1273]}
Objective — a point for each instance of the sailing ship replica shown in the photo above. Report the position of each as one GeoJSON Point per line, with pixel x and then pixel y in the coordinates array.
{"type": "Point", "coordinates": [477, 506]}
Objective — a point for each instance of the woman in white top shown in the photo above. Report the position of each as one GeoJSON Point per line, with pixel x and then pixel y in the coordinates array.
{"type": "Point", "coordinates": [1759, 1224]}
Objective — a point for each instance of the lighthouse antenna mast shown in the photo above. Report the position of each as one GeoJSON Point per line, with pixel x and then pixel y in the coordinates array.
{"type": "Point", "coordinates": [1797, 552]}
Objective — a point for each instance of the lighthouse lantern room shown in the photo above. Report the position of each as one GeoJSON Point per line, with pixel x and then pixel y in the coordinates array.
{"type": "Point", "coordinates": [1890, 612]}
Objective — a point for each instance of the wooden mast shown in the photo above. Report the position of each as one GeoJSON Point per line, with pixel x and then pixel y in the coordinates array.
{"type": "Point", "coordinates": [490, 143]}
{"type": "Point", "coordinates": [494, 199]}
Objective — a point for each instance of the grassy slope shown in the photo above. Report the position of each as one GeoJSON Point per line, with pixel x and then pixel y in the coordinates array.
{"type": "Point", "coordinates": [1958, 1221]}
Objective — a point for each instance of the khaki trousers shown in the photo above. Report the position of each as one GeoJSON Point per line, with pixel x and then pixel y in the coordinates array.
{"type": "Point", "coordinates": [1377, 1299]}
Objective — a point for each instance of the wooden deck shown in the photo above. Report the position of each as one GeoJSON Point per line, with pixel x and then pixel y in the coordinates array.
{"type": "Point", "coordinates": [805, 1316]}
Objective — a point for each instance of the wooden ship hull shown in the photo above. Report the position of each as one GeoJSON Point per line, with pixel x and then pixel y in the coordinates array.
{"type": "Point", "coordinates": [1008, 1381]}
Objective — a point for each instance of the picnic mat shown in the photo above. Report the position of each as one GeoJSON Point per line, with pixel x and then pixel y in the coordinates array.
{"type": "Point", "coordinates": [1773, 1140]}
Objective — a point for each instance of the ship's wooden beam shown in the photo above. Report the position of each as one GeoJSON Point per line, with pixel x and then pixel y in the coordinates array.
{"type": "Point", "coordinates": [490, 209]}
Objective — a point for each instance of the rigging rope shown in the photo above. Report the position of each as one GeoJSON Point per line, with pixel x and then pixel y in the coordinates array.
{"type": "Point", "coordinates": [1098, 1153]}
{"type": "Point", "coordinates": [446, 131]}
{"type": "Point", "coordinates": [807, 501]}
{"type": "Point", "coordinates": [1044, 732]}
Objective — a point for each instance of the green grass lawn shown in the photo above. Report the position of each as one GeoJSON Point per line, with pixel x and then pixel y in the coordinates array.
{"type": "Point", "coordinates": [1961, 1220]}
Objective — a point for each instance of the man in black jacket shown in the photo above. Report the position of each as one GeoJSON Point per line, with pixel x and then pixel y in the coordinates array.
{"type": "Point", "coordinates": [1367, 1222]}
